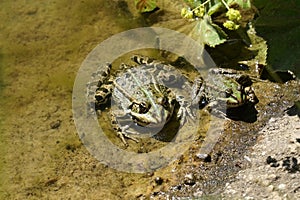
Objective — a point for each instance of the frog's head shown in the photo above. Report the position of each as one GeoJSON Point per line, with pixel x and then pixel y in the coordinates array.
{"type": "Point", "coordinates": [250, 95]}
{"type": "Point", "coordinates": [151, 115]}
{"type": "Point", "coordinates": [237, 95]}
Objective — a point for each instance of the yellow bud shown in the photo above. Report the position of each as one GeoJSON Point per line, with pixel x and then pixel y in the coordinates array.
{"type": "Point", "coordinates": [231, 25]}
{"type": "Point", "coordinates": [199, 11]}
{"type": "Point", "coordinates": [233, 15]}
{"type": "Point", "coordinates": [186, 13]}
{"type": "Point", "coordinates": [183, 12]}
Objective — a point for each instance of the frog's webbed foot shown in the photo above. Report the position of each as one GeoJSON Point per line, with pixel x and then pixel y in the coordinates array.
{"type": "Point", "coordinates": [184, 114]}
{"type": "Point", "coordinates": [122, 134]}
{"type": "Point", "coordinates": [185, 111]}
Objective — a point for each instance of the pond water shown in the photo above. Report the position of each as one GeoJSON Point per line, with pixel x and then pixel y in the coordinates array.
{"type": "Point", "coordinates": [42, 45]}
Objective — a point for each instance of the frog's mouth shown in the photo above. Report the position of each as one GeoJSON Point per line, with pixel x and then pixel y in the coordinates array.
{"type": "Point", "coordinates": [155, 117]}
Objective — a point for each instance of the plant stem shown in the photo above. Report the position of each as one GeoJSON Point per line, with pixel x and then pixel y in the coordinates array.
{"type": "Point", "coordinates": [225, 4]}
{"type": "Point", "coordinates": [205, 2]}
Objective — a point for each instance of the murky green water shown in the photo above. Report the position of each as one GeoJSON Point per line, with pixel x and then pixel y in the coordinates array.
{"type": "Point", "coordinates": [42, 45]}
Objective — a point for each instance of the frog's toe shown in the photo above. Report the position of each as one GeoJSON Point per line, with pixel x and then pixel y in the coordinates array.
{"type": "Point", "coordinates": [121, 136]}
{"type": "Point", "coordinates": [125, 135]}
{"type": "Point", "coordinates": [184, 114]}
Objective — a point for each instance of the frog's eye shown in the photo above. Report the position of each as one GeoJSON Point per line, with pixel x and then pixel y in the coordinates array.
{"type": "Point", "coordinates": [139, 107]}
{"type": "Point", "coordinates": [203, 101]}
{"type": "Point", "coordinates": [228, 92]}
{"type": "Point", "coordinates": [144, 107]}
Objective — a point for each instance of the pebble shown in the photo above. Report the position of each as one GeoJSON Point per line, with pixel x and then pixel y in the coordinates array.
{"type": "Point", "coordinates": [198, 193]}
{"type": "Point", "coordinates": [265, 182]}
{"type": "Point", "coordinates": [272, 120]}
{"type": "Point", "coordinates": [189, 179]}
{"type": "Point", "coordinates": [247, 158]}
{"type": "Point", "coordinates": [205, 157]}
{"type": "Point", "coordinates": [55, 124]}
{"type": "Point", "coordinates": [270, 188]}
{"type": "Point", "coordinates": [272, 177]}
{"type": "Point", "coordinates": [281, 186]}
{"type": "Point", "coordinates": [159, 180]}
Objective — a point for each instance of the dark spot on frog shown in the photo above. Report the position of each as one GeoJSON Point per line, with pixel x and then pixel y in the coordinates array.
{"type": "Point", "coordinates": [104, 74]}
{"type": "Point", "coordinates": [244, 80]}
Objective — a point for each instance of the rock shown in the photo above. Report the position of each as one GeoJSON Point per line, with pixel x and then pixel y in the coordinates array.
{"type": "Point", "coordinates": [189, 179]}
{"type": "Point", "coordinates": [270, 188]}
{"type": "Point", "coordinates": [55, 124]}
{"type": "Point", "coordinates": [282, 186]}
{"type": "Point", "coordinates": [159, 180]}
{"type": "Point", "coordinates": [205, 157]}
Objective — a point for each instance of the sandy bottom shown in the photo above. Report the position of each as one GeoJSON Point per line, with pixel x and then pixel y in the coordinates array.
{"type": "Point", "coordinates": [42, 45]}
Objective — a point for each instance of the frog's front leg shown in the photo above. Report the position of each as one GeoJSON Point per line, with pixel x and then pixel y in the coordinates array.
{"type": "Point", "coordinates": [121, 132]}
{"type": "Point", "coordinates": [216, 109]}
{"type": "Point", "coordinates": [197, 95]}
{"type": "Point", "coordinates": [198, 91]}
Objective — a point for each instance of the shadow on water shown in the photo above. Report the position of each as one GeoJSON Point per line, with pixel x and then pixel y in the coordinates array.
{"type": "Point", "coordinates": [246, 113]}
{"type": "Point", "coordinates": [294, 110]}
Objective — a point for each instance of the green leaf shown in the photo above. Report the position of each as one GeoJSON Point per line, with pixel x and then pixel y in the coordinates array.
{"type": "Point", "coordinates": [208, 33]}
{"type": "Point", "coordinates": [145, 5]}
{"type": "Point", "coordinates": [242, 3]}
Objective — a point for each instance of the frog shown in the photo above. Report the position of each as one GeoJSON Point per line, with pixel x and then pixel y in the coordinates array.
{"type": "Point", "coordinates": [226, 89]}
{"type": "Point", "coordinates": [145, 95]}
